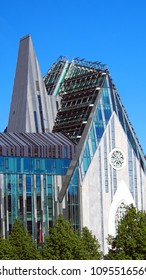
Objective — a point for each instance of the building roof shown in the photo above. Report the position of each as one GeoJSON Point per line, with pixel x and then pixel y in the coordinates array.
{"type": "Point", "coordinates": [44, 145]}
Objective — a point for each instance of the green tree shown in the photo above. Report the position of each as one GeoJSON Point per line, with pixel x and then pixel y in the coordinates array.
{"type": "Point", "coordinates": [90, 245]}
{"type": "Point", "coordinates": [63, 243]}
{"type": "Point", "coordinates": [23, 246]}
{"type": "Point", "coordinates": [130, 241]}
{"type": "Point", "coordinates": [6, 250]}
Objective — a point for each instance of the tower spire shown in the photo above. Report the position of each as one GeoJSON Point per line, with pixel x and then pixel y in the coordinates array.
{"type": "Point", "coordinates": [29, 100]}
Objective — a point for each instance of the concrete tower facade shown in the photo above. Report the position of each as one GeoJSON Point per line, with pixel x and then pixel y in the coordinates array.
{"type": "Point", "coordinates": [31, 109]}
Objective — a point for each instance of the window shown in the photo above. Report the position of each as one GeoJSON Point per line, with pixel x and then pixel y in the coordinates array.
{"type": "Point", "coordinates": [35, 120]}
{"type": "Point", "coordinates": [120, 213]}
{"type": "Point", "coordinates": [28, 203]}
{"type": "Point", "coordinates": [28, 184]}
{"type": "Point", "coordinates": [37, 86]}
{"type": "Point", "coordinates": [37, 164]}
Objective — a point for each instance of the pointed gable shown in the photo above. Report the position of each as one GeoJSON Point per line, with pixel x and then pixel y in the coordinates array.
{"type": "Point", "coordinates": [28, 111]}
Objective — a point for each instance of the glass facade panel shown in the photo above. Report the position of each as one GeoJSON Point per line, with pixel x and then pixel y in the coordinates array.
{"type": "Point", "coordinates": [106, 165]}
{"type": "Point", "coordinates": [33, 165]}
{"type": "Point", "coordinates": [135, 182]}
{"type": "Point", "coordinates": [73, 199]}
{"type": "Point", "coordinates": [30, 189]}
{"type": "Point", "coordinates": [120, 112]}
{"type": "Point", "coordinates": [106, 104]}
{"type": "Point", "coordinates": [86, 158]}
{"type": "Point", "coordinates": [119, 109]}
{"type": "Point", "coordinates": [100, 120]}
{"type": "Point", "coordinates": [130, 168]}
{"type": "Point", "coordinates": [28, 184]}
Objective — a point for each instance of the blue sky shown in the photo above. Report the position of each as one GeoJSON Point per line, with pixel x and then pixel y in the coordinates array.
{"type": "Point", "coordinates": [113, 32]}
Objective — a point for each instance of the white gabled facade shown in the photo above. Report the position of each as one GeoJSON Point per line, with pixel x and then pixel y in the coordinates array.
{"type": "Point", "coordinates": [104, 188]}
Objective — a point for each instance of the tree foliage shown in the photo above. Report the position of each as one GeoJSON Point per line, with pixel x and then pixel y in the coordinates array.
{"type": "Point", "coordinates": [6, 250]}
{"type": "Point", "coordinates": [23, 246]}
{"type": "Point", "coordinates": [63, 243]}
{"type": "Point", "coordinates": [91, 245]}
{"type": "Point", "coordinates": [130, 241]}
